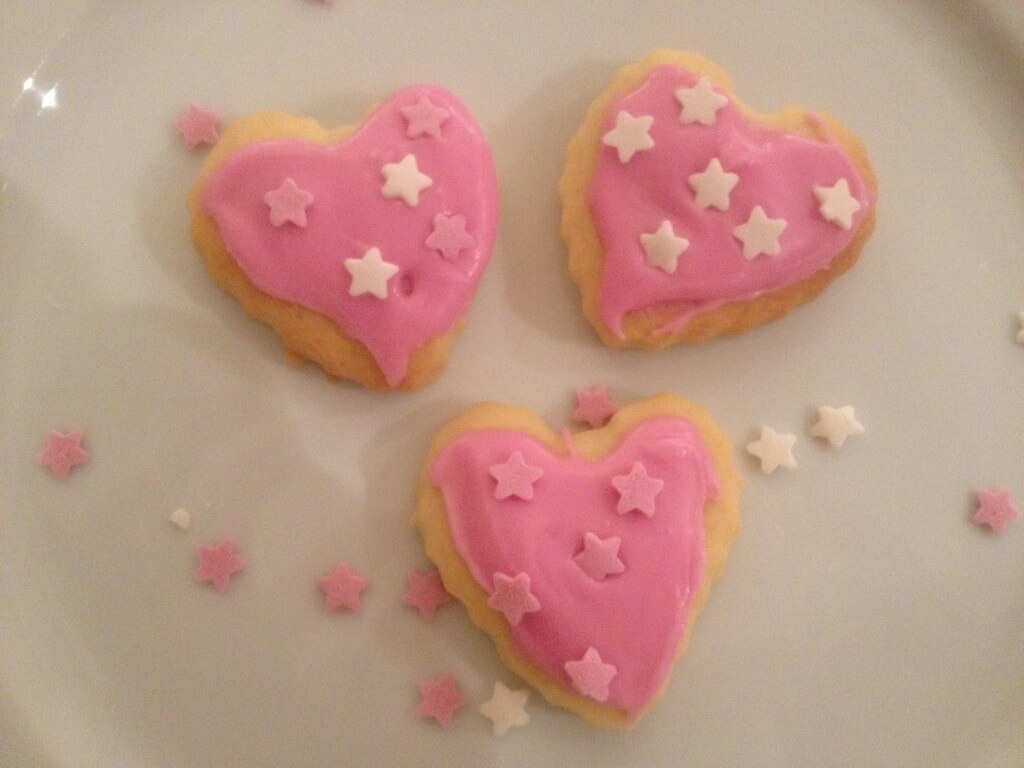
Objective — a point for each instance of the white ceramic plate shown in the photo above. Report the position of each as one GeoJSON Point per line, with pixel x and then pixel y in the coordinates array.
{"type": "Point", "coordinates": [862, 620]}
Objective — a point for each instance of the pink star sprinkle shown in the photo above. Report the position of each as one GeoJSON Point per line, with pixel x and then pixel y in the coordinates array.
{"type": "Point", "coordinates": [198, 126]}
{"type": "Point", "coordinates": [62, 452]}
{"type": "Point", "coordinates": [450, 236]}
{"type": "Point", "coordinates": [600, 557]}
{"type": "Point", "coordinates": [440, 699]}
{"type": "Point", "coordinates": [995, 510]}
{"type": "Point", "coordinates": [637, 490]}
{"type": "Point", "coordinates": [515, 477]}
{"type": "Point", "coordinates": [424, 117]}
{"type": "Point", "coordinates": [426, 592]}
{"type": "Point", "coordinates": [593, 407]}
{"type": "Point", "coordinates": [512, 597]}
{"type": "Point", "coordinates": [591, 675]}
{"type": "Point", "coordinates": [288, 203]}
{"type": "Point", "coordinates": [218, 563]}
{"type": "Point", "coordinates": [343, 587]}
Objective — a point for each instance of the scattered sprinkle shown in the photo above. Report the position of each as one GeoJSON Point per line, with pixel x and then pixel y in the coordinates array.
{"type": "Point", "coordinates": [342, 587]}
{"type": "Point", "coordinates": [426, 592]}
{"type": "Point", "coordinates": [774, 449]}
{"type": "Point", "coordinates": [440, 699]}
{"type": "Point", "coordinates": [62, 452]}
{"type": "Point", "coordinates": [593, 407]}
{"type": "Point", "coordinates": [217, 564]}
{"type": "Point", "coordinates": [836, 424]}
{"type": "Point", "coordinates": [198, 126]}
{"type": "Point", "coordinates": [506, 708]}
{"type": "Point", "coordinates": [995, 509]}
{"type": "Point", "coordinates": [181, 518]}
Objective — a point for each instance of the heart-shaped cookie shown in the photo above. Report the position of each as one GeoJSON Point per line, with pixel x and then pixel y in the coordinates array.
{"type": "Point", "coordinates": [586, 558]}
{"type": "Point", "coordinates": [688, 215]}
{"type": "Point", "coordinates": [361, 246]}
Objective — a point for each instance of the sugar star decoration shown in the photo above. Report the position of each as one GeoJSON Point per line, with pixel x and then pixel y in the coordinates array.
{"type": "Point", "coordinates": [180, 518]}
{"type": "Point", "coordinates": [836, 424]}
{"type": "Point", "coordinates": [760, 234]}
{"type": "Point", "coordinates": [62, 452]}
{"type": "Point", "coordinates": [837, 204]}
{"type": "Point", "coordinates": [1020, 322]}
{"type": "Point", "coordinates": [600, 557]}
{"type": "Point", "coordinates": [630, 135]}
{"type": "Point", "coordinates": [450, 236]}
{"type": "Point", "coordinates": [713, 185]}
{"type": "Point", "coordinates": [995, 510]}
{"type": "Point", "coordinates": [217, 564]}
{"type": "Point", "coordinates": [370, 274]}
{"type": "Point", "coordinates": [591, 675]}
{"type": "Point", "coordinates": [198, 126]}
{"type": "Point", "coordinates": [403, 179]}
{"type": "Point", "coordinates": [515, 477]}
{"type": "Point", "coordinates": [288, 203]}
{"type": "Point", "coordinates": [701, 103]}
{"type": "Point", "coordinates": [343, 587]}
{"type": "Point", "coordinates": [593, 407]}
{"type": "Point", "coordinates": [506, 708]}
{"type": "Point", "coordinates": [637, 490]}
{"type": "Point", "coordinates": [774, 449]}
{"type": "Point", "coordinates": [440, 699]}
{"type": "Point", "coordinates": [512, 597]}
{"type": "Point", "coordinates": [426, 592]}
{"type": "Point", "coordinates": [424, 118]}
{"type": "Point", "coordinates": [663, 247]}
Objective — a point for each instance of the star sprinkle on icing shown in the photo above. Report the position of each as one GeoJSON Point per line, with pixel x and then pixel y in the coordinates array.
{"type": "Point", "coordinates": [1020, 322]}
{"type": "Point", "coordinates": [663, 247]}
{"type": "Point", "coordinates": [506, 708]}
{"type": "Point", "coordinates": [370, 274]}
{"type": "Point", "coordinates": [198, 126]}
{"type": "Point", "coordinates": [512, 596]}
{"type": "Point", "coordinates": [62, 452]}
{"type": "Point", "coordinates": [515, 477]}
{"type": "Point", "coordinates": [760, 234]}
{"type": "Point", "coordinates": [630, 135]}
{"type": "Point", "coordinates": [713, 185]}
{"type": "Point", "coordinates": [995, 509]}
{"type": "Point", "coordinates": [343, 587]}
{"type": "Point", "coordinates": [591, 675]}
{"type": "Point", "coordinates": [701, 103]}
{"type": "Point", "coordinates": [288, 203]}
{"type": "Point", "coordinates": [774, 449]}
{"type": "Point", "coordinates": [450, 236]}
{"type": "Point", "coordinates": [637, 490]}
{"type": "Point", "coordinates": [600, 557]}
{"type": "Point", "coordinates": [217, 564]}
{"type": "Point", "coordinates": [180, 518]}
{"type": "Point", "coordinates": [403, 179]}
{"type": "Point", "coordinates": [836, 424]}
{"type": "Point", "coordinates": [424, 118]}
{"type": "Point", "coordinates": [426, 592]}
{"type": "Point", "coordinates": [440, 699]}
{"type": "Point", "coordinates": [837, 204]}
{"type": "Point", "coordinates": [593, 407]}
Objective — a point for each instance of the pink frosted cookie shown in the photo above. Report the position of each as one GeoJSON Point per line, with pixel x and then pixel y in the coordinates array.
{"type": "Point", "coordinates": [362, 246]}
{"type": "Point", "coordinates": [688, 215]}
{"type": "Point", "coordinates": [586, 558]}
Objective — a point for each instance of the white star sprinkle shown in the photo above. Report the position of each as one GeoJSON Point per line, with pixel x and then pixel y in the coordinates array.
{"type": "Point", "coordinates": [713, 185]}
{"type": "Point", "coordinates": [836, 424]}
{"type": "Point", "coordinates": [701, 103]}
{"type": "Point", "coordinates": [1020, 333]}
{"type": "Point", "coordinates": [370, 274]}
{"type": "Point", "coordinates": [760, 234]}
{"type": "Point", "coordinates": [506, 708]}
{"type": "Point", "coordinates": [773, 449]}
{"type": "Point", "coordinates": [662, 248]}
{"type": "Point", "coordinates": [181, 518]}
{"type": "Point", "coordinates": [630, 135]}
{"type": "Point", "coordinates": [837, 204]}
{"type": "Point", "coordinates": [403, 179]}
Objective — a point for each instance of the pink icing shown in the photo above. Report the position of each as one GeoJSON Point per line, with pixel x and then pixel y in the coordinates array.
{"type": "Point", "coordinates": [776, 170]}
{"type": "Point", "coordinates": [634, 620]}
{"type": "Point", "coordinates": [305, 266]}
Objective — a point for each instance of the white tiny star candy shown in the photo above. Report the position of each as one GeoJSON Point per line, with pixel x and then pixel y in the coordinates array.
{"type": "Point", "coordinates": [774, 449]}
{"type": "Point", "coordinates": [403, 179]}
{"type": "Point", "coordinates": [181, 518]}
{"type": "Point", "coordinates": [837, 204]}
{"type": "Point", "coordinates": [836, 424]}
{"type": "Point", "coordinates": [663, 247]}
{"type": "Point", "coordinates": [630, 135]}
{"type": "Point", "coordinates": [701, 103]}
{"type": "Point", "coordinates": [713, 185]}
{"type": "Point", "coordinates": [506, 708]}
{"type": "Point", "coordinates": [370, 274]}
{"type": "Point", "coordinates": [760, 234]}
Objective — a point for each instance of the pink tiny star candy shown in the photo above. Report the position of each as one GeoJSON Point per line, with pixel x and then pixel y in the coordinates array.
{"type": "Point", "coordinates": [288, 203]}
{"type": "Point", "coordinates": [995, 509]}
{"type": "Point", "coordinates": [217, 564]}
{"type": "Point", "coordinates": [198, 126]}
{"type": "Point", "coordinates": [62, 452]}
{"type": "Point", "coordinates": [591, 675]}
{"type": "Point", "coordinates": [600, 557]}
{"type": "Point", "coordinates": [515, 477]}
{"type": "Point", "coordinates": [512, 596]}
{"type": "Point", "coordinates": [593, 407]}
{"type": "Point", "coordinates": [424, 118]}
{"type": "Point", "coordinates": [426, 592]}
{"type": "Point", "coordinates": [440, 699]}
{"type": "Point", "coordinates": [342, 587]}
{"type": "Point", "coordinates": [450, 236]}
{"type": "Point", "coordinates": [637, 490]}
